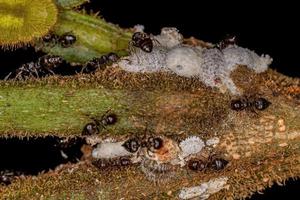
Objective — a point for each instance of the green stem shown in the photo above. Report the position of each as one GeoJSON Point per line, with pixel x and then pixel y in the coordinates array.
{"type": "Point", "coordinates": [95, 37]}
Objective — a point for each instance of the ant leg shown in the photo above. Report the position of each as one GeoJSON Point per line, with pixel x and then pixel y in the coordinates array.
{"type": "Point", "coordinates": [154, 40]}
{"type": "Point", "coordinates": [51, 72]}
{"type": "Point", "coordinates": [19, 76]}
{"type": "Point", "coordinates": [36, 72]}
{"type": "Point", "coordinates": [253, 110]}
{"type": "Point", "coordinates": [95, 120]}
{"type": "Point", "coordinates": [103, 116]}
{"type": "Point", "coordinates": [133, 51]}
{"type": "Point", "coordinates": [7, 76]}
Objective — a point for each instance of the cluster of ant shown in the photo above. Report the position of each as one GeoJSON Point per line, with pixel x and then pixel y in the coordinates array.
{"type": "Point", "coordinates": [45, 65]}
{"type": "Point", "coordinates": [99, 63]}
{"type": "Point", "coordinates": [51, 64]}
{"type": "Point", "coordinates": [146, 41]}
{"type": "Point", "coordinates": [133, 147]}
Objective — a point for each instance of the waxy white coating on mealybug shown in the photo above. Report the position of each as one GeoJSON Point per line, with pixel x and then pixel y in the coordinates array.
{"type": "Point", "coordinates": [212, 142]}
{"type": "Point", "coordinates": [191, 145]}
{"type": "Point", "coordinates": [141, 61]}
{"type": "Point", "coordinates": [110, 150]}
{"type": "Point", "coordinates": [157, 172]}
{"type": "Point", "coordinates": [169, 37]}
{"type": "Point", "coordinates": [184, 61]}
{"type": "Point", "coordinates": [235, 55]}
{"type": "Point", "coordinates": [211, 65]}
{"type": "Point", "coordinates": [204, 190]}
{"type": "Point", "coordinates": [139, 28]}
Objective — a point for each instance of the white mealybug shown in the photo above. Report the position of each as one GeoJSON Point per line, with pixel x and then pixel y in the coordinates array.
{"type": "Point", "coordinates": [109, 150]}
{"type": "Point", "coordinates": [204, 190]}
{"type": "Point", "coordinates": [169, 37]}
{"type": "Point", "coordinates": [235, 55]}
{"type": "Point", "coordinates": [184, 61]}
{"type": "Point", "coordinates": [157, 172]}
{"type": "Point", "coordinates": [139, 28]}
{"type": "Point", "coordinates": [141, 61]}
{"type": "Point", "coordinates": [211, 65]}
{"type": "Point", "coordinates": [191, 145]}
{"type": "Point", "coordinates": [212, 142]}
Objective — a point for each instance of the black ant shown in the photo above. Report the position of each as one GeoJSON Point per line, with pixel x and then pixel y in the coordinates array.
{"type": "Point", "coordinates": [100, 62]}
{"type": "Point", "coordinates": [250, 103]}
{"type": "Point", "coordinates": [154, 143]}
{"type": "Point", "coordinates": [217, 163]}
{"type": "Point", "coordinates": [98, 124]}
{"type": "Point", "coordinates": [214, 162]}
{"type": "Point", "coordinates": [6, 176]}
{"type": "Point", "coordinates": [143, 41]}
{"type": "Point", "coordinates": [196, 165]}
{"type": "Point", "coordinates": [227, 41]}
{"type": "Point", "coordinates": [132, 145]}
{"type": "Point", "coordinates": [66, 40]}
{"type": "Point", "coordinates": [44, 66]}
{"type": "Point", "coordinates": [112, 162]}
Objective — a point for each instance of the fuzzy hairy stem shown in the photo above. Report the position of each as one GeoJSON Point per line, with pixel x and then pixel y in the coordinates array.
{"type": "Point", "coordinates": [261, 148]}
{"type": "Point", "coordinates": [95, 37]}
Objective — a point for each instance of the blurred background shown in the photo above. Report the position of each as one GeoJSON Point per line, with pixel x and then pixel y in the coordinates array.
{"type": "Point", "coordinates": [266, 28]}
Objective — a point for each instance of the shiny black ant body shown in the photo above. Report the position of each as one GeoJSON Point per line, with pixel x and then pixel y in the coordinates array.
{"type": "Point", "coordinates": [112, 162]}
{"type": "Point", "coordinates": [154, 143]}
{"type": "Point", "coordinates": [250, 103]}
{"type": "Point", "coordinates": [196, 165]}
{"type": "Point", "coordinates": [44, 66]}
{"type": "Point", "coordinates": [142, 41]}
{"type": "Point", "coordinates": [132, 145]}
{"type": "Point", "coordinates": [99, 124]}
{"type": "Point", "coordinates": [66, 40]}
{"type": "Point", "coordinates": [227, 41]}
{"type": "Point", "coordinates": [213, 162]}
{"type": "Point", "coordinates": [100, 62]}
{"type": "Point", "coordinates": [218, 163]}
